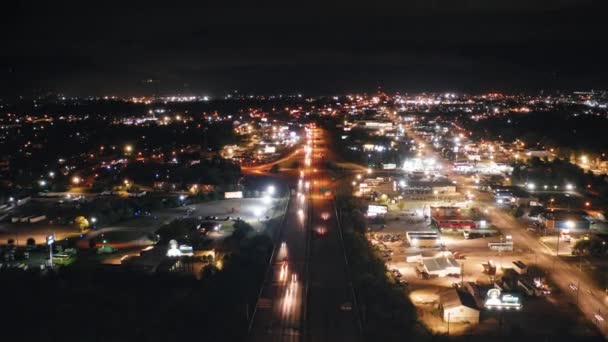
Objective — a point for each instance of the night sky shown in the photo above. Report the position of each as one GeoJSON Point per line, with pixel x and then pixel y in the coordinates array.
{"type": "Point", "coordinates": [313, 48]}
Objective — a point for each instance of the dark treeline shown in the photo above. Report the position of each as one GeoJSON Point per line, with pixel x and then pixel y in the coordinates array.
{"type": "Point", "coordinates": [561, 130]}
{"type": "Point", "coordinates": [116, 305]}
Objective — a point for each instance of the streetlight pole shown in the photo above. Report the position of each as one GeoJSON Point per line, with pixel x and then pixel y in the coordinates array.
{"type": "Point", "coordinates": [50, 239]}
{"type": "Point", "coordinates": [556, 252]}
{"type": "Point", "coordinates": [449, 323]}
{"type": "Point", "coordinates": [578, 290]}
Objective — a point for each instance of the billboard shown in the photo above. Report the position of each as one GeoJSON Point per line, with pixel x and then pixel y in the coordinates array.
{"type": "Point", "coordinates": [233, 194]}
{"type": "Point", "coordinates": [495, 299]}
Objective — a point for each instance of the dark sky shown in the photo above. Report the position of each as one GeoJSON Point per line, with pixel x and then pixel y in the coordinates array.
{"type": "Point", "coordinates": [313, 47]}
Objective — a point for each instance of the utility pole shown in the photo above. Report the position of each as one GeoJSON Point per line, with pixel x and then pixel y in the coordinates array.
{"type": "Point", "coordinates": [578, 290]}
{"type": "Point", "coordinates": [449, 323]}
{"type": "Point", "coordinates": [556, 252]}
{"type": "Point", "coordinates": [462, 275]}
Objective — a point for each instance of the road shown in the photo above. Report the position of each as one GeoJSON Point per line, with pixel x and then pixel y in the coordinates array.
{"type": "Point", "coordinates": [279, 311]}
{"type": "Point", "coordinates": [306, 295]}
{"type": "Point", "coordinates": [577, 286]}
{"type": "Point", "coordinates": [331, 308]}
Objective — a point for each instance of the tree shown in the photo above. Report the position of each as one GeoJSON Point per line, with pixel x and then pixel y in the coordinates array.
{"type": "Point", "coordinates": [81, 223]}
{"type": "Point", "coordinates": [208, 271]}
{"type": "Point", "coordinates": [401, 205]}
{"type": "Point", "coordinates": [519, 211]}
{"type": "Point", "coordinates": [241, 229]}
{"type": "Point", "coordinates": [30, 242]}
{"type": "Point", "coordinates": [593, 246]}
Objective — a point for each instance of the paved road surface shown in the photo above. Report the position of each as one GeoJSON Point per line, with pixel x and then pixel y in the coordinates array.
{"type": "Point", "coordinates": [306, 294]}
{"type": "Point", "coordinates": [332, 312]}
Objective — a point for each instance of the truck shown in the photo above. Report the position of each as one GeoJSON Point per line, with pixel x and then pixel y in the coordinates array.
{"type": "Point", "coordinates": [501, 246]}
{"type": "Point", "coordinates": [35, 219]}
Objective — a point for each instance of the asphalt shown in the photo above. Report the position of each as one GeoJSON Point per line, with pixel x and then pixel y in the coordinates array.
{"type": "Point", "coordinates": [306, 295]}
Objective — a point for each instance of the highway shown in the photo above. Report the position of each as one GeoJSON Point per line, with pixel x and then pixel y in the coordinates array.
{"type": "Point", "coordinates": [306, 295]}
{"type": "Point", "coordinates": [331, 308]}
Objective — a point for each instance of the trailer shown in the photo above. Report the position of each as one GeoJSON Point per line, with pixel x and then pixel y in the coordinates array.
{"type": "Point", "coordinates": [501, 246]}
{"type": "Point", "coordinates": [36, 219]}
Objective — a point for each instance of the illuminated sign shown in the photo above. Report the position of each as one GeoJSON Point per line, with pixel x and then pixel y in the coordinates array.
{"type": "Point", "coordinates": [495, 299]}
{"type": "Point", "coordinates": [270, 149]}
{"type": "Point", "coordinates": [233, 194]}
{"type": "Point", "coordinates": [373, 209]}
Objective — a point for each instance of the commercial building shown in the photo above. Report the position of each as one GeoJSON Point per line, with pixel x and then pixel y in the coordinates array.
{"type": "Point", "coordinates": [450, 218]}
{"type": "Point", "coordinates": [458, 307]}
{"type": "Point", "coordinates": [562, 219]}
{"type": "Point", "coordinates": [441, 265]}
{"type": "Point", "coordinates": [424, 239]}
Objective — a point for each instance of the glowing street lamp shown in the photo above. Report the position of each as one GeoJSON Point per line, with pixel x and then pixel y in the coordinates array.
{"type": "Point", "coordinates": [76, 180]}
{"type": "Point", "coordinates": [257, 212]}
{"type": "Point", "coordinates": [42, 182]}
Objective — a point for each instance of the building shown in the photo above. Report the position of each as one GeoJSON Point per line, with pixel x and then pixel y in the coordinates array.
{"type": "Point", "coordinates": [441, 265]}
{"type": "Point", "coordinates": [458, 307]}
{"type": "Point", "coordinates": [563, 219]}
{"type": "Point", "coordinates": [450, 218]}
{"type": "Point", "coordinates": [424, 239]}
{"type": "Point", "coordinates": [439, 187]}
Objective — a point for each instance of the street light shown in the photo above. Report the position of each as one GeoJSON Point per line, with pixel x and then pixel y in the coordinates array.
{"type": "Point", "coordinates": [569, 186]}
{"type": "Point", "coordinates": [42, 182]}
{"type": "Point", "coordinates": [76, 180]}
{"type": "Point", "coordinates": [270, 189]}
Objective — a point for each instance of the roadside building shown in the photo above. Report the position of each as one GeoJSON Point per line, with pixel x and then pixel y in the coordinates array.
{"type": "Point", "coordinates": [450, 218]}
{"type": "Point", "coordinates": [458, 307]}
{"type": "Point", "coordinates": [441, 266]}
{"type": "Point", "coordinates": [424, 239]}
{"type": "Point", "coordinates": [563, 219]}
{"type": "Point", "coordinates": [439, 187]}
